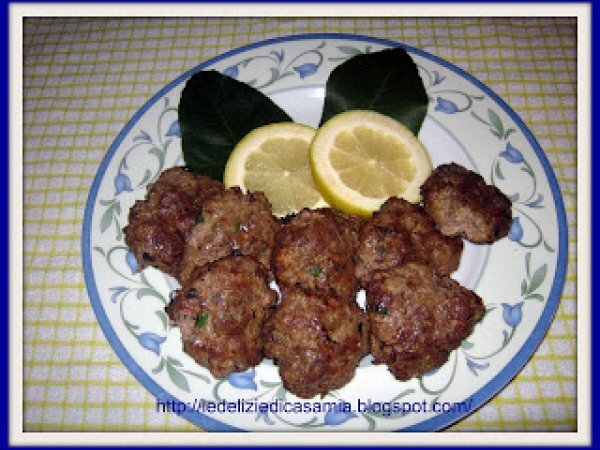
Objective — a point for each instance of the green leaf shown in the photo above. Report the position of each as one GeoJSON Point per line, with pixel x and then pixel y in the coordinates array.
{"type": "Point", "coordinates": [147, 292]}
{"type": "Point", "coordinates": [538, 278]}
{"type": "Point", "coordinates": [479, 119]}
{"type": "Point", "coordinates": [146, 177]}
{"type": "Point", "coordinates": [349, 50]}
{"type": "Point", "coordinates": [466, 345]}
{"type": "Point", "coordinates": [506, 338]}
{"type": "Point", "coordinates": [157, 152]}
{"type": "Point", "coordinates": [202, 320]}
{"type": "Point", "coordinates": [281, 392]}
{"type": "Point", "coordinates": [270, 384]}
{"type": "Point", "coordinates": [488, 310]}
{"type": "Point", "coordinates": [496, 122]}
{"type": "Point", "coordinates": [315, 270]}
{"type": "Point", "coordinates": [547, 247]}
{"type": "Point", "coordinates": [130, 325]}
{"type": "Point", "coordinates": [158, 368]}
{"type": "Point", "coordinates": [174, 361]}
{"type": "Point", "coordinates": [527, 169]}
{"type": "Point", "coordinates": [145, 280]}
{"type": "Point", "coordinates": [498, 172]}
{"type": "Point", "coordinates": [528, 264]}
{"type": "Point", "coordinates": [118, 231]}
{"type": "Point", "coordinates": [107, 218]}
{"type": "Point", "coordinates": [215, 113]}
{"type": "Point", "coordinates": [177, 378]}
{"type": "Point", "coordinates": [163, 318]}
{"type": "Point", "coordinates": [274, 74]}
{"type": "Point", "coordinates": [197, 375]}
{"type": "Point", "coordinates": [523, 287]}
{"type": "Point", "coordinates": [538, 297]}
{"type": "Point", "coordinates": [387, 82]}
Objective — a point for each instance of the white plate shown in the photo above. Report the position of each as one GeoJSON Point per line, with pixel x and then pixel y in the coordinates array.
{"type": "Point", "coordinates": [520, 277]}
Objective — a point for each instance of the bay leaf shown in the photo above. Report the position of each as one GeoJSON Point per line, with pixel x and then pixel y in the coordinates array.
{"type": "Point", "coordinates": [387, 82]}
{"type": "Point", "coordinates": [215, 113]}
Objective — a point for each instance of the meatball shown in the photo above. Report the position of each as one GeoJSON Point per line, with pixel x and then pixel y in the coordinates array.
{"type": "Point", "coordinates": [159, 225]}
{"type": "Point", "coordinates": [317, 342]}
{"type": "Point", "coordinates": [221, 313]}
{"type": "Point", "coordinates": [417, 318]}
{"type": "Point", "coordinates": [199, 187]}
{"type": "Point", "coordinates": [314, 251]}
{"type": "Point", "coordinates": [462, 204]}
{"type": "Point", "coordinates": [400, 232]}
{"type": "Point", "coordinates": [349, 226]}
{"type": "Point", "coordinates": [231, 223]}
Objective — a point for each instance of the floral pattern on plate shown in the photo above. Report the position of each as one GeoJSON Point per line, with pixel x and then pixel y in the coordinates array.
{"type": "Point", "coordinates": [520, 280]}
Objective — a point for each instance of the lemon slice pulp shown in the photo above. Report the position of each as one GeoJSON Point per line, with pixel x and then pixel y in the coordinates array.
{"type": "Point", "coordinates": [361, 158]}
{"type": "Point", "coordinates": [274, 159]}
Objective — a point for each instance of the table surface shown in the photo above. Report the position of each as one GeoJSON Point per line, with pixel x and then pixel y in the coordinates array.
{"type": "Point", "coordinates": [85, 78]}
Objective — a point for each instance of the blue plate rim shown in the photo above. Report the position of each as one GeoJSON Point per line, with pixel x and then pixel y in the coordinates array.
{"type": "Point", "coordinates": [438, 422]}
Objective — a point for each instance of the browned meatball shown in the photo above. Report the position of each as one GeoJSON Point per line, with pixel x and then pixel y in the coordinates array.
{"type": "Point", "coordinates": [462, 204]}
{"type": "Point", "coordinates": [349, 226]}
{"type": "Point", "coordinates": [221, 313]}
{"type": "Point", "coordinates": [314, 251]}
{"type": "Point", "coordinates": [160, 224]}
{"type": "Point", "coordinates": [400, 232]}
{"type": "Point", "coordinates": [417, 318]}
{"type": "Point", "coordinates": [231, 223]}
{"type": "Point", "coordinates": [316, 341]}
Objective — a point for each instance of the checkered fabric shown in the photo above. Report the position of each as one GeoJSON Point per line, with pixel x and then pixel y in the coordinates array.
{"type": "Point", "coordinates": [85, 77]}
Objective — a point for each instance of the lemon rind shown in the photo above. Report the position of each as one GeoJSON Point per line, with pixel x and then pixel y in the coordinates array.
{"type": "Point", "coordinates": [328, 180]}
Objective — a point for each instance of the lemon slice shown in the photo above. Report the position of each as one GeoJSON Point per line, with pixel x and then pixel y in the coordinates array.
{"type": "Point", "coordinates": [274, 159]}
{"type": "Point", "coordinates": [361, 158]}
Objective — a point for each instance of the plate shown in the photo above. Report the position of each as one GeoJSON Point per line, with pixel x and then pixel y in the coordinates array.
{"type": "Point", "coordinates": [520, 277]}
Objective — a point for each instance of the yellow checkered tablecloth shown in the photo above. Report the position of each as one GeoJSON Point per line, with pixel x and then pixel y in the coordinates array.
{"type": "Point", "coordinates": [83, 80]}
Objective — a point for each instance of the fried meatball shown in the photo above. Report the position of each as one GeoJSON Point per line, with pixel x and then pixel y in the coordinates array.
{"type": "Point", "coordinates": [159, 225]}
{"type": "Point", "coordinates": [221, 313]}
{"type": "Point", "coordinates": [462, 204]}
{"type": "Point", "coordinates": [400, 232]}
{"type": "Point", "coordinates": [199, 187]}
{"type": "Point", "coordinates": [417, 318]}
{"type": "Point", "coordinates": [317, 342]}
{"type": "Point", "coordinates": [314, 251]}
{"type": "Point", "coordinates": [349, 226]}
{"type": "Point", "coordinates": [231, 223]}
